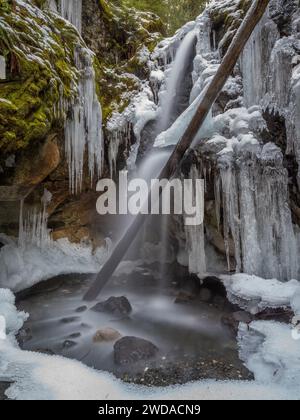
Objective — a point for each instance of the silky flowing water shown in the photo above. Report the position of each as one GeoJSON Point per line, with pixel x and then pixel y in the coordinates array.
{"type": "Point", "coordinates": [60, 323]}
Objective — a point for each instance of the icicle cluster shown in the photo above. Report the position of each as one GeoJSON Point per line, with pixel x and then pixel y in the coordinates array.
{"type": "Point", "coordinates": [271, 73]}
{"type": "Point", "coordinates": [257, 216]}
{"type": "Point", "coordinates": [83, 130]}
{"type": "Point", "coordinates": [33, 226]}
{"type": "Point", "coordinates": [83, 127]}
{"type": "Point", "coordinates": [195, 242]}
{"type": "Point", "coordinates": [2, 68]}
{"type": "Point", "coordinates": [71, 10]}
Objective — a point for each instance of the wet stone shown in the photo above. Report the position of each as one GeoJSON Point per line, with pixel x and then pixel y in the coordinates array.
{"type": "Point", "coordinates": [119, 306]}
{"type": "Point", "coordinates": [106, 335]}
{"type": "Point", "coordinates": [24, 336]}
{"type": "Point", "coordinates": [75, 335]}
{"type": "Point", "coordinates": [68, 344]}
{"type": "Point", "coordinates": [70, 319]}
{"type": "Point", "coordinates": [81, 309]}
{"type": "Point", "coordinates": [133, 349]}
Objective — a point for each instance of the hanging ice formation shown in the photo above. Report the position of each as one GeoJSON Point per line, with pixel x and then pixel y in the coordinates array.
{"type": "Point", "coordinates": [256, 213]}
{"type": "Point", "coordinates": [71, 10]}
{"type": "Point", "coordinates": [195, 242]}
{"type": "Point", "coordinates": [33, 225]}
{"type": "Point", "coordinates": [83, 128]}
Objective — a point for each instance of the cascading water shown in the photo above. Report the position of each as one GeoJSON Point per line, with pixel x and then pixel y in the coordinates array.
{"type": "Point", "coordinates": [174, 78]}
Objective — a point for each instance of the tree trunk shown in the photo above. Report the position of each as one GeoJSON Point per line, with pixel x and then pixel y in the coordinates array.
{"type": "Point", "coordinates": [226, 68]}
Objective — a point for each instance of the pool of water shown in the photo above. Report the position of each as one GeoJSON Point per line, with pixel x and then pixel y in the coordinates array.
{"type": "Point", "coordinates": [61, 323]}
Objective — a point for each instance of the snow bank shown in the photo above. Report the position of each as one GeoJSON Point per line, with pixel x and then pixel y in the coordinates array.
{"type": "Point", "coordinates": [255, 294]}
{"type": "Point", "coordinates": [22, 267]}
{"type": "Point", "coordinates": [13, 319]}
{"type": "Point", "coordinates": [271, 352]}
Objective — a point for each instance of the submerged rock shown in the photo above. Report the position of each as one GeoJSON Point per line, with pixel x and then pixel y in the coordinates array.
{"type": "Point", "coordinates": [70, 319]}
{"type": "Point", "coordinates": [68, 344]}
{"type": "Point", "coordinates": [106, 335]}
{"type": "Point", "coordinates": [81, 309]}
{"type": "Point", "coordinates": [114, 305]}
{"type": "Point", "coordinates": [75, 335]}
{"type": "Point", "coordinates": [132, 350]}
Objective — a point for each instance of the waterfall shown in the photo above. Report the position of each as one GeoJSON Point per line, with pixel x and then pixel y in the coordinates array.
{"type": "Point", "coordinates": [71, 10]}
{"type": "Point", "coordinates": [174, 78]}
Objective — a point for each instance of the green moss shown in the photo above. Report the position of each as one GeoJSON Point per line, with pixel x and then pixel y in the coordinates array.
{"type": "Point", "coordinates": [131, 25]}
{"type": "Point", "coordinates": [42, 74]}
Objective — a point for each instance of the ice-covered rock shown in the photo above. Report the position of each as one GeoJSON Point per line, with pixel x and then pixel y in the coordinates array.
{"type": "Point", "coordinates": [255, 294]}
{"type": "Point", "coordinates": [23, 266]}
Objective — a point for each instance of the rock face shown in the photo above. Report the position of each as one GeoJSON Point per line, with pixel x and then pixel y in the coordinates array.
{"type": "Point", "coordinates": [3, 388]}
{"type": "Point", "coordinates": [132, 350]}
{"type": "Point", "coordinates": [106, 335]}
{"type": "Point", "coordinates": [119, 306]}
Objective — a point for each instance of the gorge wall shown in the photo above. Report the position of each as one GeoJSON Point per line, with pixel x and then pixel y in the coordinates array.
{"type": "Point", "coordinates": [248, 151]}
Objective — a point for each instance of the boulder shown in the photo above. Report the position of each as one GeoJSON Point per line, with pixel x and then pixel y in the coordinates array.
{"type": "Point", "coordinates": [119, 306]}
{"type": "Point", "coordinates": [129, 350]}
{"type": "Point", "coordinates": [106, 335]}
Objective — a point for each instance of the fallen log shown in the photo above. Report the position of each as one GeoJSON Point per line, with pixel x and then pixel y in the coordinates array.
{"type": "Point", "coordinates": [226, 68]}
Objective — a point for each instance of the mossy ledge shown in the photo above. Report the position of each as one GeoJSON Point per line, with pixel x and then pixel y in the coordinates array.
{"type": "Point", "coordinates": [42, 77]}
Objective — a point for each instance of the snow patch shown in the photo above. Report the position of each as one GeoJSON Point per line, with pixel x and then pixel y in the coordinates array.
{"type": "Point", "coordinates": [255, 294]}
{"type": "Point", "coordinates": [25, 266]}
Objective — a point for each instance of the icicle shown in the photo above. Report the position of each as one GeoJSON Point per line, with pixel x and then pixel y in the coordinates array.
{"type": "Point", "coordinates": [195, 241]}
{"type": "Point", "coordinates": [255, 61]}
{"type": "Point", "coordinates": [21, 224]}
{"type": "Point", "coordinates": [257, 216]}
{"type": "Point", "coordinates": [33, 228]}
{"type": "Point", "coordinates": [2, 68]}
{"type": "Point", "coordinates": [71, 10]}
{"type": "Point", "coordinates": [113, 150]}
{"type": "Point", "coordinates": [83, 130]}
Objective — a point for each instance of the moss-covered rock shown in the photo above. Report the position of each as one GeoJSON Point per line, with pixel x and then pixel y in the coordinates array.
{"type": "Point", "coordinates": [39, 50]}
